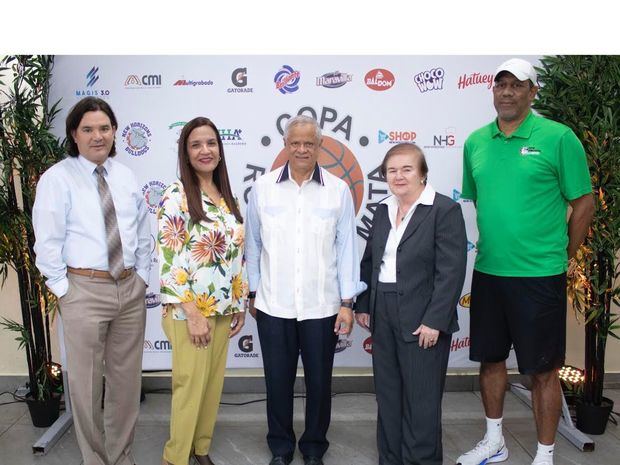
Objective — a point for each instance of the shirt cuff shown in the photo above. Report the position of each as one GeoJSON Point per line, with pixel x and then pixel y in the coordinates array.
{"type": "Point", "coordinates": [59, 287]}
{"type": "Point", "coordinates": [352, 289]}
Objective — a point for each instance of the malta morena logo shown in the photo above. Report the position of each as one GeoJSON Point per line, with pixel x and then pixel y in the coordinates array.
{"type": "Point", "coordinates": [287, 80]}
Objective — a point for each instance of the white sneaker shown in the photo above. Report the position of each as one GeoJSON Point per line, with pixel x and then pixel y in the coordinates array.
{"type": "Point", "coordinates": [484, 452]}
{"type": "Point", "coordinates": [543, 460]}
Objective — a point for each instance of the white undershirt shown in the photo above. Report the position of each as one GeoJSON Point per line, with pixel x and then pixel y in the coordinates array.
{"type": "Point", "coordinates": [387, 273]}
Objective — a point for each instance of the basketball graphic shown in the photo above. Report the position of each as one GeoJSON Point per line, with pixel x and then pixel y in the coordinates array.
{"type": "Point", "coordinates": [336, 158]}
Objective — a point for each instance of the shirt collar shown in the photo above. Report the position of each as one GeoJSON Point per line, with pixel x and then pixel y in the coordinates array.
{"type": "Point", "coordinates": [90, 166]}
{"type": "Point", "coordinates": [317, 176]}
{"type": "Point", "coordinates": [524, 131]}
{"type": "Point", "coordinates": [427, 197]}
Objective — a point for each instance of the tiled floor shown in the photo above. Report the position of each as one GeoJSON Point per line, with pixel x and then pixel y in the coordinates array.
{"type": "Point", "coordinates": [240, 433]}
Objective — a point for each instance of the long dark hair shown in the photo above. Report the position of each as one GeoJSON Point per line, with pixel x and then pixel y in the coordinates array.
{"type": "Point", "coordinates": [189, 178]}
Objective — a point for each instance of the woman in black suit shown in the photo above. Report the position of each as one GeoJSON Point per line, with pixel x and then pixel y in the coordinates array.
{"type": "Point", "coordinates": [414, 266]}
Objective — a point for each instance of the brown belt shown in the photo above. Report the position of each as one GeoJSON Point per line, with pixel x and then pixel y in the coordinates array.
{"type": "Point", "coordinates": [98, 273]}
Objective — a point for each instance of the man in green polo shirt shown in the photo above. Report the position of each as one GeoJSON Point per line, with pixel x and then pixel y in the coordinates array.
{"type": "Point", "coordinates": [522, 171]}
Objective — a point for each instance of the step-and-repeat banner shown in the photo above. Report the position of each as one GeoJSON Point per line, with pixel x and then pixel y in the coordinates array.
{"type": "Point", "coordinates": [363, 104]}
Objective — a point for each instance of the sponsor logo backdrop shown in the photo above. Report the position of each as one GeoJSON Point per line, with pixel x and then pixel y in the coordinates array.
{"type": "Point", "coordinates": [363, 103]}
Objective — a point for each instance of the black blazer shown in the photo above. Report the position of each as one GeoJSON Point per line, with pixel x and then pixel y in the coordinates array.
{"type": "Point", "coordinates": [430, 266]}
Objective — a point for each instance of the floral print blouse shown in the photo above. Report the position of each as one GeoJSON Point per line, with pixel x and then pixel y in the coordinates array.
{"type": "Point", "coordinates": [200, 262]}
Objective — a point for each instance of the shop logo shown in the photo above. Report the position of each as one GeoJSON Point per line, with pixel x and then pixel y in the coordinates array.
{"type": "Point", "coordinates": [470, 246]}
{"type": "Point", "coordinates": [367, 344]}
{"type": "Point", "coordinates": [465, 300]}
{"type": "Point", "coordinates": [92, 76]}
{"type": "Point", "coordinates": [456, 196]}
{"type": "Point", "coordinates": [342, 344]}
{"type": "Point", "coordinates": [146, 81]}
{"type": "Point", "coordinates": [396, 137]}
{"type": "Point", "coordinates": [157, 346]}
{"type": "Point", "coordinates": [287, 80]}
{"type": "Point", "coordinates": [137, 137]}
{"type": "Point", "coordinates": [192, 83]}
{"type": "Point", "coordinates": [429, 80]}
{"type": "Point", "coordinates": [379, 79]}
{"type": "Point", "coordinates": [475, 79]}
{"type": "Point", "coordinates": [152, 192]}
{"type": "Point", "coordinates": [334, 79]}
{"type": "Point", "coordinates": [152, 300]}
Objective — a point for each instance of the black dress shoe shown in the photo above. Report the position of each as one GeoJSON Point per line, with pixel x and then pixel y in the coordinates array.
{"type": "Point", "coordinates": [281, 460]}
{"type": "Point", "coordinates": [313, 461]}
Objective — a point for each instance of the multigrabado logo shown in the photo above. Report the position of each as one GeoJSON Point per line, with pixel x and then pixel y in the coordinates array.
{"type": "Point", "coordinates": [137, 136]}
{"type": "Point", "coordinates": [367, 344]}
{"type": "Point", "coordinates": [146, 81]}
{"type": "Point", "coordinates": [92, 76]}
{"type": "Point", "coordinates": [342, 344]}
{"type": "Point", "coordinates": [396, 137]}
{"type": "Point", "coordinates": [239, 78]}
{"type": "Point", "coordinates": [474, 79]}
{"type": "Point", "coordinates": [162, 345]}
{"type": "Point", "coordinates": [442, 141]}
{"type": "Point", "coordinates": [465, 300]}
{"type": "Point", "coordinates": [379, 79]}
{"type": "Point", "coordinates": [152, 192]}
{"type": "Point", "coordinates": [334, 79]}
{"type": "Point", "coordinates": [429, 80]}
{"type": "Point", "coordinates": [287, 80]}
{"type": "Point", "coordinates": [246, 346]}
{"type": "Point", "coordinates": [231, 136]}
{"type": "Point", "coordinates": [192, 83]}
{"type": "Point", "coordinates": [152, 300]}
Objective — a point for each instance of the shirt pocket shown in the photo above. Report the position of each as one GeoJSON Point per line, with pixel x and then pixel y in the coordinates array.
{"type": "Point", "coordinates": [323, 221]}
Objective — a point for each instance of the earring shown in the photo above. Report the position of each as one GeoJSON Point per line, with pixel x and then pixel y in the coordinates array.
{"type": "Point", "coordinates": [421, 181]}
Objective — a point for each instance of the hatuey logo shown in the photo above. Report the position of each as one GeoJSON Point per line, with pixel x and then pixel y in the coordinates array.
{"type": "Point", "coordinates": [396, 137]}
{"type": "Point", "coordinates": [287, 80]}
{"type": "Point", "coordinates": [137, 137]}
{"type": "Point", "coordinates": [152, 192]}
{"type": "Point", "coordinates": [334, 79]}
{"type": "Point", "coordinates": [379, 79]}
{"type": "Point", "coordinates": [431, 79]}
{"type": "Point", "coordinates": [459, 344]}
{"type": "Point", "coordinates": [465, 300]}
{"type": "Point", "coordinates": [367, 344]}
{"type": "Point", "coordinates": [474, 79]}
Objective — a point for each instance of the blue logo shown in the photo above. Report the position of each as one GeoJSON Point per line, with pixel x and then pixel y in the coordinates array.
{"type": "Point", "coordinates": [92, 77]}
{"type": "Point", "coordinates": [470, 246]}
{"type": "Point", "coordinates": [456, 196]}
{"type": "Point", "coordinates": [287, 80]}
{"type": "Point", "coordinates": [382, 136]}
{"type": "Point", "coordinates": [137, 137]}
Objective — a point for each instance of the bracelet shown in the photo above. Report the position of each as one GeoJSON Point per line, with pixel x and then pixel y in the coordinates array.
{"type": "Point", "coordinates": [347, 304]}
{"type": "Point", "coordinates": [252, 295]}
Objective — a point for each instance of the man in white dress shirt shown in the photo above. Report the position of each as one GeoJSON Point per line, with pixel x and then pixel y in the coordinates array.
{"type": "Point", "coordinates": [303, 268]}
{"type": "Point", "coordinates": [92, 245]}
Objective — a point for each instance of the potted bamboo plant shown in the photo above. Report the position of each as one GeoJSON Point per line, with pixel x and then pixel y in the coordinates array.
{"type": "Point", "coordinates": [583, 92]}
{"type": "Point", "coordinates": [27, 149]}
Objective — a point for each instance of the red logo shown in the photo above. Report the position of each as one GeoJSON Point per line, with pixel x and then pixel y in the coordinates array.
{"type": "Point", "coordinates": [458, 344]}
{"type": "Point", "coordinates": [368, 344]}
{"type": "Point", "coordinates": [474, 79]}
{"type": "Point", "coordinates": [379, 79]}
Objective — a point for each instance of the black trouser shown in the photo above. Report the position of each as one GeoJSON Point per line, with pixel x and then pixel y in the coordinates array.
{"type": "Point", "coordinates": [409, 383]}
{"type": "Point", "coordinates": [281, 342]}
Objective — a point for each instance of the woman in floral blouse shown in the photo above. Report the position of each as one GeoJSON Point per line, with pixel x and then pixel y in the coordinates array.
{"type": "Point", "coordinates": [203, 287]}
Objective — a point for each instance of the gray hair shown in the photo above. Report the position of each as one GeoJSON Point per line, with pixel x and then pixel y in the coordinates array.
{"type": "Point", "coordinates": [300, 120]}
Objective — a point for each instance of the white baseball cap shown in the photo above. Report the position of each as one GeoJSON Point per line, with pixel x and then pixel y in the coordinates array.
{"type": "Point", "coordinates": [521, 69]}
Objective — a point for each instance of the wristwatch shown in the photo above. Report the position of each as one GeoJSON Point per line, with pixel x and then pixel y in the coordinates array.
{"type": "Point", "coordinates": [346, 303]}
{"type": "Point", "coordinates": [252, 295]}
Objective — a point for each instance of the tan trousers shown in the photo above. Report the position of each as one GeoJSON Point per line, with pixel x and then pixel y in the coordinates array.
{"type": "Point", "coordinates": [197, 382]}
{"type": "Point", "coordinates": [104, 335]}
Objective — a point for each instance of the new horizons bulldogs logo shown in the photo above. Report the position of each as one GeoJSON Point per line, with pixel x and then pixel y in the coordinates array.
{"type": "Point", "coordinates": [152, 192]}
{"type": "Point", "coordinates": [137, 136]}
{"type": "Point", "coordinates": [287, 80]}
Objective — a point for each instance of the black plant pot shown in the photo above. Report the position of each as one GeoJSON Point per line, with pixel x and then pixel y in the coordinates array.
{"type": "Point", "coordinates": [44, 412]}
{"type": "Point", "coordinates": [592, 419]}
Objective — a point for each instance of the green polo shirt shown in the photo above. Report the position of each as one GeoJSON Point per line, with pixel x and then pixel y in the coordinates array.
{"type": "Point", "coordinates": [522, 185]}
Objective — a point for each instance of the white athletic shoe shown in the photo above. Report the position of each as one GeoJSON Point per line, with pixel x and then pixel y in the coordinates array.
{"type": "Point", "coordinates": [484, 452]}
{"type": "Point", "coordinates": [543, 460]}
